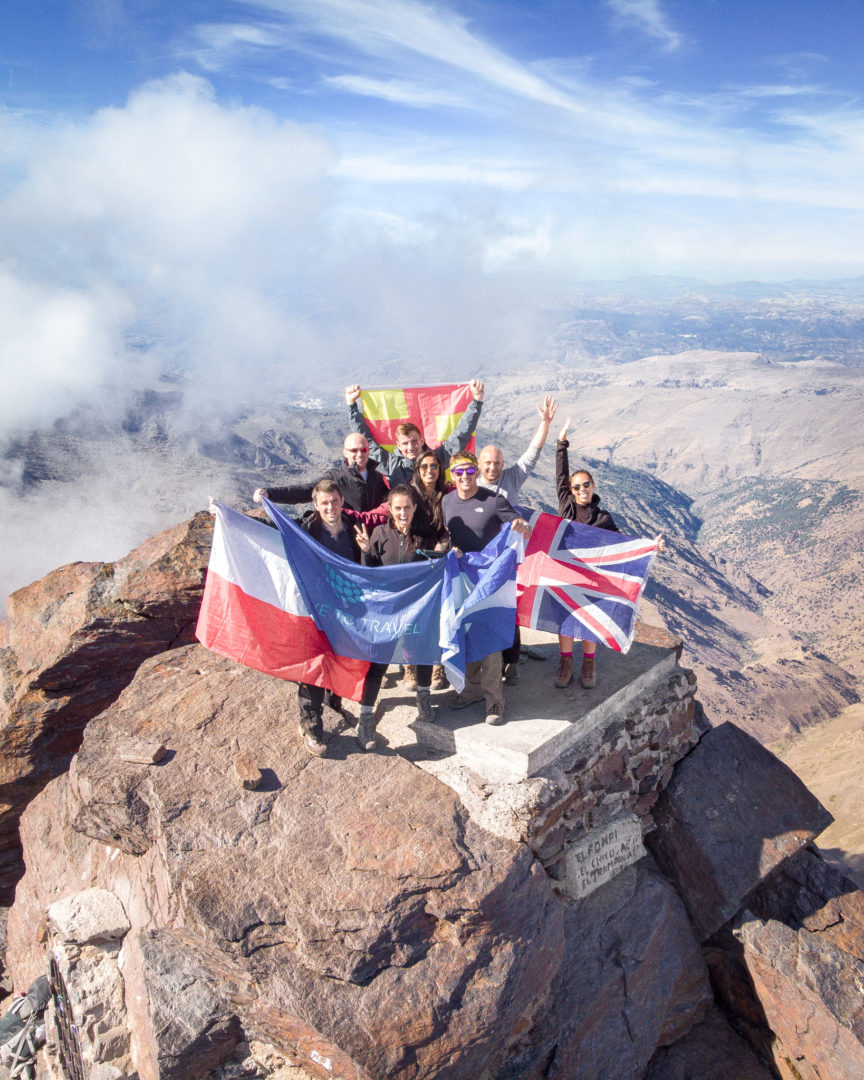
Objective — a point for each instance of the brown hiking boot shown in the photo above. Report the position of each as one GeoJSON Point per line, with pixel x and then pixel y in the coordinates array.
{"type": "Point", "coordinates": [565, 672]}
{"type": "Point", "coordinates": [588, 678]}
{"type": "Point", "coordinates": [439, 679]}
{"type": "Point", "coordinates": [409, 680]}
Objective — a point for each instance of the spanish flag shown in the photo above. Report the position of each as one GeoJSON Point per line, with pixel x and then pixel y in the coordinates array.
{"type": "Point", "coordinates": [436, 410]}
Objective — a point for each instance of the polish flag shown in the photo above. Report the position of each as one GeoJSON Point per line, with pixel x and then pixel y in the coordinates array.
{"type": "Point", "coordinates": [253, 612]}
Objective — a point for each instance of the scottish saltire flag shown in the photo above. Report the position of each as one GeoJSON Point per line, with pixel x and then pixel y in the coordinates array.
{"type": "Point", "coordinates": [254, 613]}
{"type": "Point", "coordinates": [582, 581]}
{"type": "Point", "coordinates": [478, 614]}
{"type": "Point", "coordinates": [436, 410]}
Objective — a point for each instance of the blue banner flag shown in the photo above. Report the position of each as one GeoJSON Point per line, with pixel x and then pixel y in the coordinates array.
{"type": "Point", "coordinates": [428, 612]}
{"type": "Point", "coordinates": [388, 615]}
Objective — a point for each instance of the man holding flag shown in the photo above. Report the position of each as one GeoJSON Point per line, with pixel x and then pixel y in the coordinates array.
{"type": "Point", "coordinates": [398, 464]}
{"type": "Point", "coordinates": [473, 516]}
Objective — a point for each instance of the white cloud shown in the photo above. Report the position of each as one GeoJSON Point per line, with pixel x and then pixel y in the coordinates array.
{"type": "Point", "coordinates": [390, 29]}
{"type": "Point", "coordinates": [779, 90]}
{"type": "Point", "coordinates": [56, 343]}
{"type": "Point", "coordinates": [397, 91]}
{"type": "Point", "coordinates": [221, 42]}
{"type": "Point", "coordinates": [173, 214]}
{"type": "Point", "coordinates": [647, 17]}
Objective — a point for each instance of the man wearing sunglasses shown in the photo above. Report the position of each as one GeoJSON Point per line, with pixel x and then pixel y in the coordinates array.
{"type": "Point", "coordinates": [361, 485]}
{"type": "Point", "coordinates": [474, 516]}
{"type": "Point", "coordinates": [398, 465]}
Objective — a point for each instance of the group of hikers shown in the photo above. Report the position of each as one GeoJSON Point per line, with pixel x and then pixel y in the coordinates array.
{"type": "Point", "coordinates": [383, 507]}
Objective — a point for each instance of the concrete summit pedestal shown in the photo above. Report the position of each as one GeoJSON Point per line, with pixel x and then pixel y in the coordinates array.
{"type": "Point", "coordinates": [574, 773]}
{"type": "Point", "coordinates": [543, 723]}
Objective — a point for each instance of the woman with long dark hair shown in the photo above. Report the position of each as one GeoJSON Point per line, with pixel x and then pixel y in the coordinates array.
{"type": "Point", "coordinates": [430, 486]}
{"type": "Point", "coordinates": [401, 539]}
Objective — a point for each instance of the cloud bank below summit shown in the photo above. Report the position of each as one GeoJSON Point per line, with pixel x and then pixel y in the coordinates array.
{"type": "Point", "coordinates": [179, 234]}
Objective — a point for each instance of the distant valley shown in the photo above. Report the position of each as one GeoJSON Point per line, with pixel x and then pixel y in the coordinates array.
{"type": "Point", "coordinates": [750, 461]}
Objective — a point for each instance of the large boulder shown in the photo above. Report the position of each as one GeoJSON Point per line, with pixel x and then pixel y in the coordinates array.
{"type": "Point", "coordinates": [634, 980]}
{"type": "Point", "coordinates": [710, 1051]}
{"type": "Point", "coordinates": [791, 967]}
{"type": "Point", "coordinates": [347, 907]}
{"type": "Point", "coordinates": [730, 816]}
{"type": "Point", "coordinates": [70, 643]}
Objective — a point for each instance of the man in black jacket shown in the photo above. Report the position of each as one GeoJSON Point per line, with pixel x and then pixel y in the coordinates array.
{"type": "Point", "coordinates": [331, 528]}
{"type": "Point", "coordinates": [361, 485]}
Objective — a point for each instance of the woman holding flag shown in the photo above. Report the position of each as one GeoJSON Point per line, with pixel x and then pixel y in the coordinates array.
{"type": "Point", "coordinates": [577, 501]}
{"type": "Point", "coordinates": [398, 541]}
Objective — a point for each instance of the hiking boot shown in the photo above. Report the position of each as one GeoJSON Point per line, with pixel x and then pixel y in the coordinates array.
{"type": "Point", "coordinates": [409, 680]}
{"type": "Point", "coordinates": [366, 729]}
{"type": "Point", "coordinates": [439, 679]}
{"type": "Point", "coordinates": [462, 701]}
{"type": "Point", "coordinates": [511, 673]}
{"type": "Point", "coordinates": [313, 743]}
{"type": "Point", "coordinates": [588, 678]}
{"type": "Point", "coordinates": [495, 714]}
{"type": "Point", "coordinates": [424, 706]}
{"type": "Point", "coordinates": [565, 672]}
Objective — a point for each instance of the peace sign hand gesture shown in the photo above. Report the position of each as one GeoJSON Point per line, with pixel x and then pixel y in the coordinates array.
{"type": "Point", "coordinates": [361, 535]}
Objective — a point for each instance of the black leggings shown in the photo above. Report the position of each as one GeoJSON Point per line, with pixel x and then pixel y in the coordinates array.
{"type": "Point", "coordinates": [376, 673]}
{"type": "Point", "coordinates": [511, 654]}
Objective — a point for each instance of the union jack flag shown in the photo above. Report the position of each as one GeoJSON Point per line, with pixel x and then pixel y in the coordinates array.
{"type": "Point", "coordinates": [582, 581]}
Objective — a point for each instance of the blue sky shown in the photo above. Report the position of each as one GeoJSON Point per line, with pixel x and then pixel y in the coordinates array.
{"type": "Point", "coordinates": [220, 185]}
{"type": "Point", "coordinates": [608, 137]}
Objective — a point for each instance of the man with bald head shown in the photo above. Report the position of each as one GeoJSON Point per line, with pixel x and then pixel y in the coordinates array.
{"type": "Point", "coordinates": [507, 482]}
{"type": "Point", "coordinates": [361, 485]}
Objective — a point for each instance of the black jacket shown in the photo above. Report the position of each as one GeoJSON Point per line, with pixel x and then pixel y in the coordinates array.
{"type": "Point", "coordinates": [391, 547]}
{"type": "Point", "coordinates": [567, 505]}
{"type": "Point", "coordinates": [359, 494]}
{"type": "Point", "coordinates": [312, 524]}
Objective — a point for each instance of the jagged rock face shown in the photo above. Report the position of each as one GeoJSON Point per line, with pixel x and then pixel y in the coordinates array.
{"type": "Point", "coordinates": [730, 816]}
{"type": "Point", "coordinates": [791, 967]}
{"type": "Point", "coordinates": [629, 945]}
{"type": "Point", "coordinates": [348, 905]}
{"type": "Point", "coordinates": [709, 1051]}
{"type": "Point", "coordinates": [69, 645]}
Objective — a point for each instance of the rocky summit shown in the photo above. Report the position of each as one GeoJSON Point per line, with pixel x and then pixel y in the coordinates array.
{"type": "Point", "coordinates": [636, 894]}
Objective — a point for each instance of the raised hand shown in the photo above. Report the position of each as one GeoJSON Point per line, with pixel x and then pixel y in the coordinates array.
{"type": "Point", "coordinates": [660, 541]}
{"type": "Point", "coordinates": [563, 436]}
{"type": "Point", "coordinates": [260, 493]}
{"type": "Point", "coordinates": [352, 393]}
{"type": "Point", "coordinates": [364, 541]}
{"type": "Point", "coordinates": [548, 409]}
{"type": "Point", "coordinates": [477, 389]}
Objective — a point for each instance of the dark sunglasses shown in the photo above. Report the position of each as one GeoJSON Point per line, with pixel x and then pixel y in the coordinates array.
{"type": "Point", "coordinates": [467, 470]}
{"type": "Point", "coordinates": [585, 485]}
{"type": "Point", "coordinates": [433, 465]}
